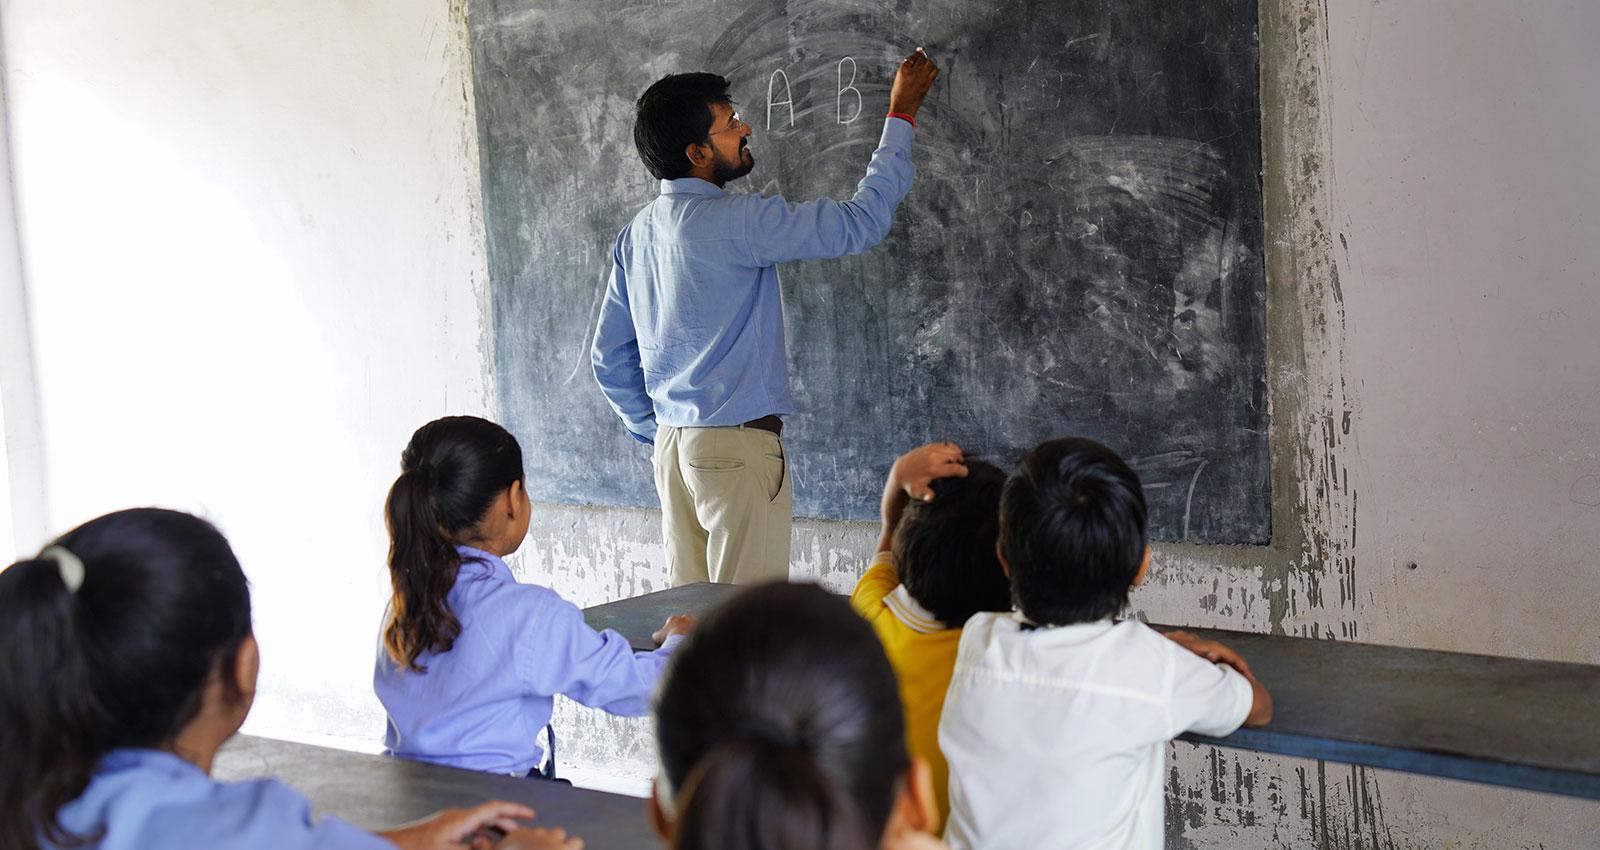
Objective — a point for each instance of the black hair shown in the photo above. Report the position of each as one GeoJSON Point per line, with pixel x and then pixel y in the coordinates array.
{"type": "Point", "coordinates": [1073, 531]}
{"type": "Point", "coordinates": [945, 549]}
{"type": "Point", "coordinates": [779, 726]}
{"type": "Point", "coordinates": [671, 115]}
{"type": "Point", "coordinates": [450, 473]}
{"type": "Point", "coordinates": [122, 661]}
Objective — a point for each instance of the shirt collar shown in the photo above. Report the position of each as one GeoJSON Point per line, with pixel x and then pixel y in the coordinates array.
{"type": "Point", "coordinates": [478, 563]}
{"type": "Point", "coordinates": [909, 611]}
{"type": "Point", "coordinates": [134, 759]}
{"type": "Point", "coordinates": [691, 186]}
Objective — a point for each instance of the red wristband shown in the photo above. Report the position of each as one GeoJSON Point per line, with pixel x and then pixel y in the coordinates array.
{"type": "Point", "coordinates": [904, 117]}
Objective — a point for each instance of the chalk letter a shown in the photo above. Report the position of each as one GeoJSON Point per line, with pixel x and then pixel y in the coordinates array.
{"type": "Point", "coordinates": [788, 97]}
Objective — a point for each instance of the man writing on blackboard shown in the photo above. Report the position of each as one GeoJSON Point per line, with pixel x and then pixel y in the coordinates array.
{"type": "Point", "coordinates": [689, 349]}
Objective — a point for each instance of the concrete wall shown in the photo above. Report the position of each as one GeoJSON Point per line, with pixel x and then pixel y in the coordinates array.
{"type": "Point", "coordinates": [255, 263]}
{"type": "Point", "coordinates": [265, 218]}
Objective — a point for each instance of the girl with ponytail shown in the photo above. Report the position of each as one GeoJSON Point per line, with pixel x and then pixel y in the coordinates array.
{"type": "Point", "coordinates": [126, 660]}
{"type": "Point", "coordinates": [471, 658]}
{"type": "Point", "coordinates": [779, 728]}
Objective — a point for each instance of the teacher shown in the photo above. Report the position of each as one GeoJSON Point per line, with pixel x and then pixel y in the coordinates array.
{"type": "Point", "coordinates": [689, 349]}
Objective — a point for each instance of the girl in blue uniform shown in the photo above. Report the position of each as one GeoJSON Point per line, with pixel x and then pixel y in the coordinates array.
{"type": "Point", "coordinates": [471, 659]}
{"type": "Point", "coordinates": [126, 660]}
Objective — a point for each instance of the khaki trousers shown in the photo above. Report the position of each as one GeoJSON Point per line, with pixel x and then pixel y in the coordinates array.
{"type": "Point", "coordinates": [726, 504]}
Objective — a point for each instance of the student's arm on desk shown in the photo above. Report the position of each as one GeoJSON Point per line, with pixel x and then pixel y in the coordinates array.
{"type": "Point", "coordinates": [1220, 653]}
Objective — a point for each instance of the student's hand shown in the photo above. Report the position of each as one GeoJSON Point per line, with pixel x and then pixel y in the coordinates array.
{"type": "Point", "coordinates": [677, 624]}
{"type": "Point", "coordinates": [916, 470]}
{"type": "Point", "coordinates": [910, 477]}
{"type": "Point", "coordinates": [453, 828]}
{"type": "Point", "coordinates": [536, 838]}
{"type": "Point", "coordinates": [911, 83]}
{"type": "Point", "coordinates": [1210, 650]}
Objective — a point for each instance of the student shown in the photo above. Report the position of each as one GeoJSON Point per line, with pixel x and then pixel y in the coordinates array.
{"type": "Point", "coordinates": [779, 728]}
{"type": "Point", "coordinates": [1058, 716]}
{"type": "Point", "coordinates": [935, 567]}
{"type": "Point", "coordinates": [471, 659]}
{"type": "Point", "coordinates": [126, 660]}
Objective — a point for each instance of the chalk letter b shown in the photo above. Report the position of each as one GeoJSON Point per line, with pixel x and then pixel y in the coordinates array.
{"type": "Point", "coordinates": [848, 87]}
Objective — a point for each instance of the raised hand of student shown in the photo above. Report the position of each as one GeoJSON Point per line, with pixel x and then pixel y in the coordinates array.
{"type": "Point", "coordinates": [454, 828]}
{"type": "Point", "coordinates": [677, 624]}
{"type": "Point", "coordinates": [911, 83]}
{"type": "Point", "coordinates": [912, 477]}
{"type": "Point", "coordinates": [537, 838]}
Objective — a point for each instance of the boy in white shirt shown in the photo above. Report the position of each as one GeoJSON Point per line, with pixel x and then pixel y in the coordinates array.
{"type": "Point", "coordinates": [1058, 715]}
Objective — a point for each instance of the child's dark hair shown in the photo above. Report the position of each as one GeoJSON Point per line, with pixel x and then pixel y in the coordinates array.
{"type": "Point", "coordinates": [450, 473]}
{"type": "Point", "coordinates": [671, 115]}
{"type": "Point", "coordinates": [779, 726]}
{"type": "Point", "coordinates": [1073, 531]}
{"type": "Point", "coordinates": [115, 656]}
{"type": "Point", "coordinates": [944, 549]}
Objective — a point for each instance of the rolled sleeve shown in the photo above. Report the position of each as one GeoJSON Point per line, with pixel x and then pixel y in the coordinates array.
{"type": "Point", "coordinates": [1210, 699]}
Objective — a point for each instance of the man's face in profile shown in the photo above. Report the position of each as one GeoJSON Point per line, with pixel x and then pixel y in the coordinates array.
{"type": "Point", "coordinates": [730, 144]}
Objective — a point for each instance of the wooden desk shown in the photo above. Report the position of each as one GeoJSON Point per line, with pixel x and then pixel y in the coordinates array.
{"type": "Point", "coordinates": [1500, 721]}
{"type": "Point", "coordinates": [379, 792]}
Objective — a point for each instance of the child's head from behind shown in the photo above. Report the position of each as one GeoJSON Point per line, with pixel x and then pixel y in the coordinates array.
{"type": "Point", "coordinates": [779, 728]}
{"type": "Point", "coordinates": [1072, 532]}
{"type": "Point", "coordinates": [461, 483]}
{"type": "Point", "coordinates": [124, 633]}
{"type": "Point", "coordinates": [944, 548]}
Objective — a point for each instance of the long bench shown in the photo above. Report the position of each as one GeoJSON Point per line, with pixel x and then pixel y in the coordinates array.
{"type": "Point", "coordinates": [1479, 718]}
{"type": "Point", "coordinates": [379, 792]}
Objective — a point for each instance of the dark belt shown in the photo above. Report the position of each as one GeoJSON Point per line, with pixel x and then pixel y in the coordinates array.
{"type": "Point", "coordinates": [770, 422]}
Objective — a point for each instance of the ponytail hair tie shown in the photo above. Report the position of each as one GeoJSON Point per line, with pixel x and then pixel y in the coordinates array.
{"type": "Point", "coordinates": [70, 566]}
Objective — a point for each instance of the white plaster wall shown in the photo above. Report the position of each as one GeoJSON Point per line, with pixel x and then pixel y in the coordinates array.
{"type": "Point", "coordinates": [255, 266]}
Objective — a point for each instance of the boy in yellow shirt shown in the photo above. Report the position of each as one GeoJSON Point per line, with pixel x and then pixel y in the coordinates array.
{"type": "Point", "coordinates": [935, 566]}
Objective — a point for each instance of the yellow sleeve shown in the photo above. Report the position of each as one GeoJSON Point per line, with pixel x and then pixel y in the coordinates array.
{"type": "Point", "coordinates": [880, 579]}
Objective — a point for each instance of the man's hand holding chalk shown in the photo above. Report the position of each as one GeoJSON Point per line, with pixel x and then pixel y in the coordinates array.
{"type": "Point", "coordinates": [911, 84]}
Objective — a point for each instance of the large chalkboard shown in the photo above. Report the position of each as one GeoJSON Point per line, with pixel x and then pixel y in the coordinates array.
{"type": "Point", "coordinates": [1081, 253]}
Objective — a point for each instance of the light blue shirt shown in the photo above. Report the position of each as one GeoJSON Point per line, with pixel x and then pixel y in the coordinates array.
{"type": "Point", "coordinates": [691, 328]}
{"type": "Point", "coordinates": [481, 705]}
{"type": "Point", "coordinates": [152, 800]}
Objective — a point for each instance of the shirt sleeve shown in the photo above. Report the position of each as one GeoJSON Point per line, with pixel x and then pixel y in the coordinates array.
{"type": "Point", "coordinates": [880, 580]}
{"type": "Point", "coordinates": [777, 230]}
{"type": "Point", "coordinates": [598, 669]}
{"type": "Point", "coordinates": [1211, 699]}
{"type": "Point", "coordinates": [615, 355]}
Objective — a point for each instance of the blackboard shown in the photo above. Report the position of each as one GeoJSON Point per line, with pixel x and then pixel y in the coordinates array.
{"type": "Point", "coordinates": [1081, 252]}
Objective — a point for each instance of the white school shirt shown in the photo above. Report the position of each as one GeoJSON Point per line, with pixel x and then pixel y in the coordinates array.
{"type": "Point", "coordinates": [1056, 737]}
{"type": "Point", "coordinates": [153, 800]}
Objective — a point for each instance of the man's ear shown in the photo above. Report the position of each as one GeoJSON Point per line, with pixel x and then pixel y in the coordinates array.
{"type": "Point", "coordinates": [658, 815]}
{"type": "Point", "coordinates": [1144, 567]}
{"type": "Point", "coordinates": [699, 155]}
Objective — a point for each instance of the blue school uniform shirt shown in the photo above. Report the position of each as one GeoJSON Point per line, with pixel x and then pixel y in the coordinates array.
{"type": "Point", "coordinates": [482, 704]}
{"type": "Point", "coordinates": [691, 329]}
{"type": "Point", "coordinates": [152, 800]}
